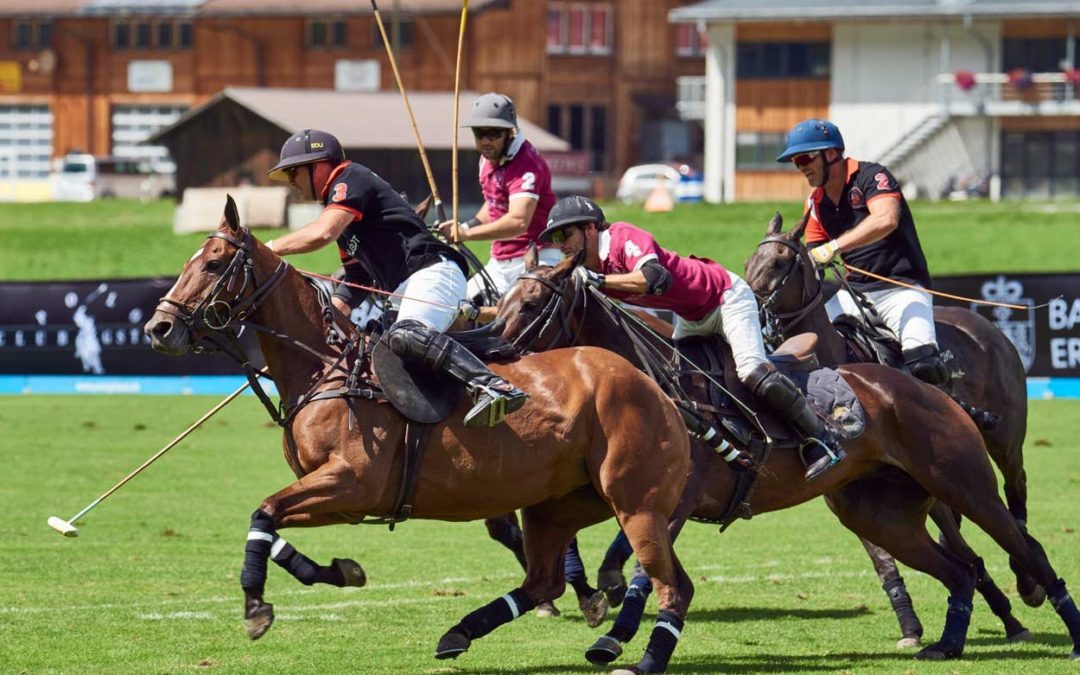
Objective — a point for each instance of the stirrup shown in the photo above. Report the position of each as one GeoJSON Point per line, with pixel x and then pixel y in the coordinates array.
{"type": "Point", "coordinates": [831, 458]}
{"type": "Point", "coordinates": [493, 405]}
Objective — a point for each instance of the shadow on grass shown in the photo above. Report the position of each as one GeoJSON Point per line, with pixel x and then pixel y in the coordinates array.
{"type": "Point", "coordinates": [740, 614]}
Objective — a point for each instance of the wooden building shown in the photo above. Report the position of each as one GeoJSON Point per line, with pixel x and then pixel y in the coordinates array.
{"type": "Point", "coordinates": [102, 75]}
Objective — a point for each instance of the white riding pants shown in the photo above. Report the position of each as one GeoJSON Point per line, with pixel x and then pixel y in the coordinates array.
{"type": "Point", "coordinates": [442, 283]}
{"type": "Point", "coordinates": [504, 273]}
{"type": "Point", "coordinates": [908, 313]}
{"type": "Point", "coordinates": [736, 319]}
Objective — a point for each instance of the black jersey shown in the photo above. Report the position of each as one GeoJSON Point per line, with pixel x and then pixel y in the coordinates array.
{"type": "Point", "coordinates": [898, 256]}
{"type": "Point", "coordinates": [385, 237]}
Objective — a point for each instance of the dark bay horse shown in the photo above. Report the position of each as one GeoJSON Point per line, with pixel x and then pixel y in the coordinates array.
{"type": "Point", "coordinates": [918, 447]}
{"type": "Point", "coordinates": [988, 371]}
{"type": "Point", "coordinates": [596, 437]}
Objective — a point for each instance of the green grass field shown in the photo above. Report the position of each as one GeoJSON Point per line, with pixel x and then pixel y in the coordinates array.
{"type": "Point", "coordinates": [151, 586]}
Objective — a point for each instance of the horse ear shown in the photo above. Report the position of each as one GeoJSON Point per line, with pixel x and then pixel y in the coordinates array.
{"type": "Point", "coordinates": [232, 216]}
{"type": "Point", "coordinates": [797, 233]}
{"type": "Point", "coordinates": [775, 224]}
{"type": "Point", "coordinates": [532, 258]}
{"type": "Point", "coordinates": [563, 269]}
{"type": "Point", "coordinates": [422, 208]}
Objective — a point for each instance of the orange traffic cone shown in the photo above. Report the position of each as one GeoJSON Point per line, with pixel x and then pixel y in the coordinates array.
{"type": "Point", "coordinates": [660, 199]}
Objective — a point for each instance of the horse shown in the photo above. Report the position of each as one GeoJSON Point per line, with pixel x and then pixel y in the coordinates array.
{"type": "Point", "coordinates": [596, 438]}
{"type": "Point", "coordinates": [918, 446]}
{"type": "Point", "coordinates": [988, 373]}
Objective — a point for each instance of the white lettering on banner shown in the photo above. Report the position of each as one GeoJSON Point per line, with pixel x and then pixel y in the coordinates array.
{"type": "Point", "coordinates": [1064, 352]}
{"type": "Point", "coordinates": [1062, 315]}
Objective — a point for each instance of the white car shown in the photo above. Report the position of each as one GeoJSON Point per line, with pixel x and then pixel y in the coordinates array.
{"type": "Point", "coordinates": [639, 182]}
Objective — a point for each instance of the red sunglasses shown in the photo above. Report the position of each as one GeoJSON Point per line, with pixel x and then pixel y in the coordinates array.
{"type": "Point", "coordinates": [804, 159]}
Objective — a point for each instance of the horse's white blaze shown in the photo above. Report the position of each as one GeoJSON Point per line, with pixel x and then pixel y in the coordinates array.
{"type": "Point", "coordinates": [193, 256]}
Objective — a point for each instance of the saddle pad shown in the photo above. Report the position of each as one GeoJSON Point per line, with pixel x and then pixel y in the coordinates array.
{"type": "Point", "coordinates": [832, 397]}
{"type": "Point", "coordinates": [419, 393]}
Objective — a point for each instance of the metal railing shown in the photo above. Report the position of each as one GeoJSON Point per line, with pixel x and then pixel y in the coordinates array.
{"type": "Point", "coordinates": [997, 93]}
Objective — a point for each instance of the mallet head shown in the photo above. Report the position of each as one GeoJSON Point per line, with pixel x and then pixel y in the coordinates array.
{"type": "Point", "coordinates": [63, 527]}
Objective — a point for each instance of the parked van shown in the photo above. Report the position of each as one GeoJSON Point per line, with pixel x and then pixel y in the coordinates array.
{"type": "Point", "coordinates": [81, 178]}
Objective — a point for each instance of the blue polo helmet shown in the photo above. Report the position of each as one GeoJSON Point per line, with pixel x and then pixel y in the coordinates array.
{"type": "Point", "coordinates": [810, 135]}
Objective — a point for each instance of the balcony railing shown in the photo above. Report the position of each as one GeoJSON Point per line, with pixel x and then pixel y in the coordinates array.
{"type": "Point", "coordinates": [691, 97]}
{"type": "Point", "coordinates": [998, 94]}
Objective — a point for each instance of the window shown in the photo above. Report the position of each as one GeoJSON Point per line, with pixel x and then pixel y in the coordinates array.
{"type": "Point", "coordinates": [147, 34]}
{"type": "Point", "coordinates": [1041, 164]}
{"type": "Point", "coordinates": [584, 126]}
{"type": "Point", "coordinates": [689, 41]}
{"type": "Point", "coordinates": [31, 34]}
{"type": "Point", "coordinates": [782, 59]}
{"type": "Point", "coordinates": [1039, 55]}
{"type": "Point", "coordinates": [578, 28]}
{"type": "Point", "coordinates": [25, 142]}
{"type": "Point", "coordinates": [757, 151]}
{"type": "Point", "coordinates": [406, 33]}
{"type": "Point", "coordinates": [132, 124]}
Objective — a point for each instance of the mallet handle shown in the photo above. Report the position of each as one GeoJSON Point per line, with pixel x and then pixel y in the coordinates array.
{"type": "Point", "coordinates": [454, 132]}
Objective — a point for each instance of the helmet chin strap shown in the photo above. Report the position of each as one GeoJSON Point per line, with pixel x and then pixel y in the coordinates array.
{"type": "Point", "coordinates": [828, 167]}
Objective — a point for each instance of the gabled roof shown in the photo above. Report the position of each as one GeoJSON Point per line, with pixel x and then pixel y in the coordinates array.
{"type": "Point", "coordinates": [838, 10]}
{"type": "Point", "coordinates": [230, 7]}
{"type": "Point", "coordinates": [364, 119]}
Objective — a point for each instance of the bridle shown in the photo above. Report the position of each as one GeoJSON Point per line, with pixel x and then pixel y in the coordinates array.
{"type": "Point", "coordinates": [776, 322]}
{"type": "Point", "coordinates": [557, 312]}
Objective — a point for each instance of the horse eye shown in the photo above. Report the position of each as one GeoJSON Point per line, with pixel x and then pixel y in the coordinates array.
{"type": "Point", "coordinates": [529, 305]}
{"type": "Point", "coordinates": [213, 266]}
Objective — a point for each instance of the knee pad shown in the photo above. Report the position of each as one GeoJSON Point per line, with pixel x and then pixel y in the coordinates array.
{"type": "Point", "coordinates": [768, 384]}
{"type": "Point", "coordinates": [411, 339]}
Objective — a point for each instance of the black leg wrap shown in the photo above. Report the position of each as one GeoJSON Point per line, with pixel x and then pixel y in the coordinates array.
{"type": "Point", "coordinates": [306, 570]}
{"type": "Point", "coordinates": [479, 623]}
{"type": "Point", "coordinates": [257, 550]}
{"type": "Point", "coordinates": [995, 599]}
{"type": "Point", "coordinates": [910, 626]}
{"type": "Point", "coordinates": [1066, 609]}
{"type": "Point", "coordinates": [957, 620]}
{"type": "Point", "coordinates": [629, 619]}
{"type": "Point", "coordinates": [662, 642]}
{"type": "Point", "coordinates": [509, 535]}
{"type": "Point", "coordinates": [575, 571]}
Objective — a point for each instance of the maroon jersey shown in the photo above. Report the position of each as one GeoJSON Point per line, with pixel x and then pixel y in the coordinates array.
{"type": "Point", "coordinates": [697, 284]}
{"type": "Point", "coordinates": [897, 256]}
{"type": "Point", "coordinates": [524, 175]}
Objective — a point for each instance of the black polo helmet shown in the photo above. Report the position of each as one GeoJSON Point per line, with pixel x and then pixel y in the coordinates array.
{"type": "Point", "coordinates": [306, 147]}
{"type": "Point", "coordinates": [572, 210]}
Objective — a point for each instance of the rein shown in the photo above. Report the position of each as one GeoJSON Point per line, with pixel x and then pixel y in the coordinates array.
{"type": "Point", "coordinates": [556, 309]}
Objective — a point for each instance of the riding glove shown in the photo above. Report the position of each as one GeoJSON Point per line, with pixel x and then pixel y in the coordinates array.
{"type": "Point", "coordinates": [824, 254]}
{"type": "Point", "coordinates": [584, 275]}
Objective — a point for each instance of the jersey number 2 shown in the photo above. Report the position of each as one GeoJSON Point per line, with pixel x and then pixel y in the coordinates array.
{"type": "Point", "coordinates": [528, 180]}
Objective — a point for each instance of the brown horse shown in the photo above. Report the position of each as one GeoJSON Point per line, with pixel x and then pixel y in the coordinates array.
{"type": "Point", "coordinates": [596, 437]}
{"type": "Point", "coordinates": [989, 374]}
{"type": "Point", "coordinates": [918, 446]}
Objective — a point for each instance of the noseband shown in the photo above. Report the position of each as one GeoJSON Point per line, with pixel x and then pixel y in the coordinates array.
{"type": "Point", "coordinates": [557, 310]}
{"type": "Point", "coordinates": [779, 320]}
{"type": "Point", "coordinates": [215, 313]}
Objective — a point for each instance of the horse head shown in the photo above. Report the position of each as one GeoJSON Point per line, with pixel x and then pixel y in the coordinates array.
{"type": "Point", "coordinates": [537, 309]}
{"type": "Point", "coordinates": [779, 272]}
{"type": "Point", "coordinates": [217, 289]}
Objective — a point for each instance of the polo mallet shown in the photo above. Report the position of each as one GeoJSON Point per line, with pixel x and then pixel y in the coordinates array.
{"type": "Point", "coordinates": [67, 527]}
{"type": "Point", "coordinates": [454, 131]}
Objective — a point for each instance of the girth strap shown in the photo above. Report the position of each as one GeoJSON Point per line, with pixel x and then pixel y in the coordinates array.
{"type": "Point", "coordinates": [415, 438]}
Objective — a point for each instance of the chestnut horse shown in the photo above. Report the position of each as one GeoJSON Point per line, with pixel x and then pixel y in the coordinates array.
{"type": "Point", "coordinates": [988, 372]}
{"type": "Point", "coordinates": [596, 437]}
{"type": "Point", "coordinates": [918, 446]}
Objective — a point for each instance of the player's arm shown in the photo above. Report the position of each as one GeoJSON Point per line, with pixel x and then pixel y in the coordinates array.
{"type": "Point", "coordinates": [317, 234]}
{"type": "Point", "coordinates": [513, 223]}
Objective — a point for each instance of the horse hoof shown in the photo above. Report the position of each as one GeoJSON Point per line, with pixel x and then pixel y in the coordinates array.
{"type": "Point", "coordinates": [1023, 635]}
{"type": "Point", "coordinates": [1075, 655]}
{"type": "Point", "coordinates": [547, 610]}
{"type": "Point", "coordinates": [452, 645]}
{"type": "Point", "coordinates": [1035, 597]}
{"type": "Point", "coordinates": [626, 671]}
{"type": "Point", "coordinates": [351, 571]}
{"type": "Point", "coordinates": [613, 584]}
{"type": "Point", "coordinates": [940, 651]}
{"type": "Point", "coordinates": [604, 651]}
{"type": "Point", "coordinates": [594, 608]}
{"type": "Point", "coordinates": [908, 642]}
{"type": "Point", "coordinates": [258, 619]}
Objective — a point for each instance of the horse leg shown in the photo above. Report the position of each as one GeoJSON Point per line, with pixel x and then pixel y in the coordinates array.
{"type": "Point", "coordinates": [890, 511]}
{"type": "Point", "coordinates": [316, 502]}
{"type": "Point", "coordinates": [952, 540]}
{"type": "Point", "coordinates": [610, 577]}
{"type": "Point", "coordinates": [593, 603]}
{"type": "Point", "coordinates": [548, 529]}
{"type": "Point", "coordinates": [505, 530]}
{"type": "Point", "coordinates": [911, 629]}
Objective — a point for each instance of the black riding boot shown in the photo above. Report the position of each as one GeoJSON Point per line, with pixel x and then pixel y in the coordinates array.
{"type": "Point", "coordinates": [773, 388]}
{"type": "Point", "coordinates": [494, 397]}
{"type": "Point", "coordinates": [925, 363]}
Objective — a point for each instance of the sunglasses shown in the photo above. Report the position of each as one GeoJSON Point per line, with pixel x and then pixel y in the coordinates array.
{"type": "Point", "coordinates": [804, 159]}
{"type": "Point", "coordinates": [486, 132]}
{"type": "Point", "coordinates": [559, 236]}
